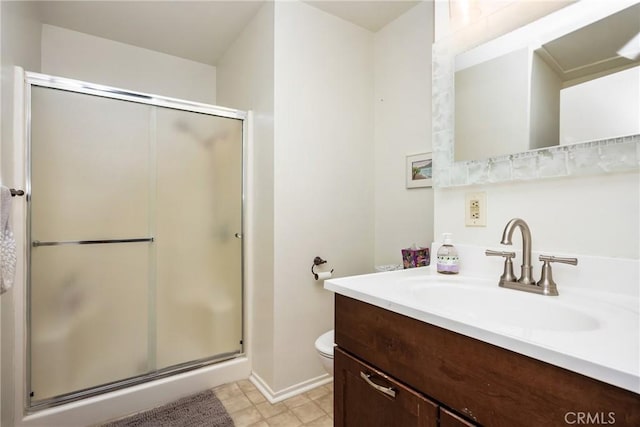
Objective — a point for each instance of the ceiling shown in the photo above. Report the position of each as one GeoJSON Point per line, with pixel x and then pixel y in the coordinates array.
{"type": "Point", "coordinates": [197, 30]}
{"type": "Point", "coordinates": [371, 15]}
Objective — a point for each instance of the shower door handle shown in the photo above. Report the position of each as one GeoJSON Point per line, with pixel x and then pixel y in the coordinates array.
{"type": "Point", "coordinates": [37, 243]}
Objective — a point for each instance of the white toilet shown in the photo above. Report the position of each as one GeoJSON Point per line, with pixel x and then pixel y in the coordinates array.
{"type": "Point", "coordinates": [324, 346]}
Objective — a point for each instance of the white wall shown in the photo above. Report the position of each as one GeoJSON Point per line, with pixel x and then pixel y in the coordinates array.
{"type": "Point", "coordinates": [319, 162]}
{"type": "Point", "coordinates": [20, 46]}
{"type": "Point", "coordinates": [20, 29]}
{"type": "Point", "coordinates": [324, 166]}
{"type": "Point", "coordinates": [245, 81]}
{"type": "Point", "coordinates": [592, 215]}
{"type": "Point", "coordinates": [402, 126]}
{"type": "Point", "coordinates": [606, 107]}
{"type": "Point", "coordinates": [0, 180]}
{"type": "Point", "coordinates": [75, 55]}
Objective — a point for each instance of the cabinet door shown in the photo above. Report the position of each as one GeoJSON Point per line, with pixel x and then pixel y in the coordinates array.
{"type": "Point", "coordinates": [449, 419]}
{"type": "Point", "coordinates": [365, 396]}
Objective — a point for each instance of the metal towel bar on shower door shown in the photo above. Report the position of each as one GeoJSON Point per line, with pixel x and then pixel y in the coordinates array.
{"type": "Point", "coordinates": [37, 243]}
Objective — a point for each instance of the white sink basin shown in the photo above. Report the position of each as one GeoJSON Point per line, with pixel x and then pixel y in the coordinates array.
{"type": "Point", "coordinates": [585, 329]}
{"type": "Point", "coordinates": [481, 304]}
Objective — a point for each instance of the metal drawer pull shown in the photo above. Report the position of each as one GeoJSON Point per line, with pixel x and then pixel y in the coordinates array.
{"type": "Point", "coordinates": [389, 391]}
{"type": "Point", "coordinates": [37, 243]}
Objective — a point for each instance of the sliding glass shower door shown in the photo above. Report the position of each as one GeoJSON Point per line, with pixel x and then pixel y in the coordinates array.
{"type": "Point", "coordinates": [197, 224]}
{"type": "Point", "coordinates": [135, 219]}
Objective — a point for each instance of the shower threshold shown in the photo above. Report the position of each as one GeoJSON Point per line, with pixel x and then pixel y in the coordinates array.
{"type": "Point", "coordinates": [35, 406]}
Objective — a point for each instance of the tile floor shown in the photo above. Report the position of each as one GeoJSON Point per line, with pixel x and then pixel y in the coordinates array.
{"type": "Point", "coordinates": [248, 407]}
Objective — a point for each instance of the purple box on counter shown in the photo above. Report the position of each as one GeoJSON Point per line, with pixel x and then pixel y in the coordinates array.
{"type": "Point", "coordinates": [418, 257]}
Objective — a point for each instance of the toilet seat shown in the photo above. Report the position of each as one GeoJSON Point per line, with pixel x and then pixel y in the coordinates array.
{"type": "Point", "coordinates": [325, 344]}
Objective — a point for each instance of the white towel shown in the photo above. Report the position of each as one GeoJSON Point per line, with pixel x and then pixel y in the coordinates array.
{"type": "Point", "coordinates": [7, 242]}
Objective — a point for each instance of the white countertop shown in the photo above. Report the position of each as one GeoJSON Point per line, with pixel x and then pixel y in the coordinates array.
{"type": "Point", "coordinates": [606, 347]}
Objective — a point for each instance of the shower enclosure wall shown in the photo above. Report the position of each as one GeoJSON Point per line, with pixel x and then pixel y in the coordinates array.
{"type": "Point", "coordinates": [134, 238]}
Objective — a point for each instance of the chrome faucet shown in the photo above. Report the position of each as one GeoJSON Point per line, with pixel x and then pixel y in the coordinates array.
{"type": "Point", "coordinates": [526, 267]}
{"type": "Point", "coordinates": [545, 285]}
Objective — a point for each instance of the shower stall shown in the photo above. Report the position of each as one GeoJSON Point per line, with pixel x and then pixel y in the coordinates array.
{"type": "Point", "coordinates": [134, 254]}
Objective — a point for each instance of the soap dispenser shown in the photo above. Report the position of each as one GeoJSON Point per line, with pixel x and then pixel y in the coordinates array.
{"type": "Point", "coordinates": [447, 256]}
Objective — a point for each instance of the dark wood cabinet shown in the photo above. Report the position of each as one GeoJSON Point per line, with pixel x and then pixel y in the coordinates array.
{"type": "Point", "coordinates": [472, 382]}
{"type": "Point", "coordinates": [449, 419]}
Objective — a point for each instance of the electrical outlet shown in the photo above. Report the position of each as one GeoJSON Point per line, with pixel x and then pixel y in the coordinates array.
{"type": "Point", "coordinates": [475, 207]}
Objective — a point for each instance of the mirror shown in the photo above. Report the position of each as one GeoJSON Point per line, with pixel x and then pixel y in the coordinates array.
{"type": "Point", "coordinates": [558, 97]}
{"type": "Point", "coordinates": [575, 88]}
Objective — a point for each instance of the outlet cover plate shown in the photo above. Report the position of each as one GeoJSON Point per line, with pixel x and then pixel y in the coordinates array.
{"type": "Point", "coordinates": [475, 209]}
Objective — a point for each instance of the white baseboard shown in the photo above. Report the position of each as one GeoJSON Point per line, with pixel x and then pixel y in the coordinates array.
{"type": "Point", "coordinates": [279, 396]}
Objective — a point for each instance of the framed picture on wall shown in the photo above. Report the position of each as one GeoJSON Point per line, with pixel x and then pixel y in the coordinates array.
{"type": "Point", "coordinates": [419, 170]}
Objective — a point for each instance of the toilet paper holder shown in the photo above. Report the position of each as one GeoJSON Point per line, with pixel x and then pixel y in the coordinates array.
{"type": "Point", "coordinates": [316, 262]}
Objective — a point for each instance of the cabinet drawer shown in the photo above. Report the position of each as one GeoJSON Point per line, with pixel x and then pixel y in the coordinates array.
{"type": "Point", "coordinates": [491, 385]}
{"type": "Point", "coordinates": [364, 396]}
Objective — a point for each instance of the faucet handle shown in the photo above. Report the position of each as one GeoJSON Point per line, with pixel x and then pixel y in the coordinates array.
{"type": "Point", "coordinates": [507, 255]}
{"type": "Point", "coordinates": [507, 274]}
{"type": "Point", "coordinates": [546, 280]}
{"type": "Point", "coordinates": [551, 258]}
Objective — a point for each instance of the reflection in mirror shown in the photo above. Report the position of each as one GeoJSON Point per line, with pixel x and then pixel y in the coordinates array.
{"type": "Point", "coordinates": [513, 94]}
{"type": "Point", "coordinates": [598, 156]}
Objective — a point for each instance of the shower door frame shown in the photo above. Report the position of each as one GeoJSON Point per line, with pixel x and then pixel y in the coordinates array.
{"type": "Point", "coordinates": [71, 85]}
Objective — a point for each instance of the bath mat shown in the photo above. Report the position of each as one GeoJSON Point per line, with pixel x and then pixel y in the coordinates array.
{"type": "Point", "coordinates": [199, 410]}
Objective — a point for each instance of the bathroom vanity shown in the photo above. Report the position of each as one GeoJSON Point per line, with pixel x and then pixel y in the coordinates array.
{"type": "Point", "coordinates": [403, 361]}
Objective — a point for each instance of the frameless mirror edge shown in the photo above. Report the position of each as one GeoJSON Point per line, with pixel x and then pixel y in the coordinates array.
{"type": "Point", "coordinates": [595, 157]}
